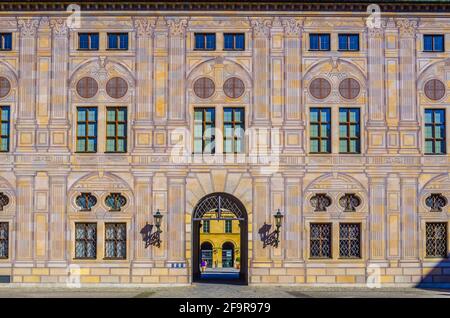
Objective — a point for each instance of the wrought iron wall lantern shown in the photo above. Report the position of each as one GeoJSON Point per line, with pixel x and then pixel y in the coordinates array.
{"type": "Point", "coordinates": [149, 237]}
{"type": "Point", "coordinates": [272, 239]}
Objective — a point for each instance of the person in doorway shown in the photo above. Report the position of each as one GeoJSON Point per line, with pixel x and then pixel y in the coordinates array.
{"type": "Point", "coordinates": [203, 264]}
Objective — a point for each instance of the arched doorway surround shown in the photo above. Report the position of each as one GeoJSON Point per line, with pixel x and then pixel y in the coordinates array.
{"type": "Point", "coordinates": [224, 206]}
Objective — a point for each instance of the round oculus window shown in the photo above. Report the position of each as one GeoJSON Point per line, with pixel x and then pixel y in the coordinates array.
{"type": "Point", "coordinates": [116, 87]}
{"type": "Point", "coordinates": [87, 87]}
{"type": "Point", "coordinates": [204, 87]}
{"type": "Point", "coordinates": [234, 87]}
{"type": "Point", "coordinates": [320, 88]}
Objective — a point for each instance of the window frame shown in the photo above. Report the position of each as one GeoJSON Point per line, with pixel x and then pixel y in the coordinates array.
{"type": "Point", "coordinates": [330, 239]}
{"type": "Point", "coordinates": [319, 137]}
{"type": "Point", "coordinates": [433, 139]}
{"type": "Point", "coordinates": [435, 256]}
{"type": "Point", "coordinates": [115, 241]}
{"type": "Point", "coordinates": [86, 241]}
{"type": "Point", "coordinates": [204, 123]}
{"type": "Point", "coordinates": [6, 240]}
{"type": "Point", "coordinates": [348, 240]}
{"type": "Point", "coordinates": [433, 42]}
{"type": "Point", "coordinates": [116, 123]}
{"type": "Point", "coordinates": [8, 122]}
{"type": "Point", "coordinates": [319, 35]}
{"type": "Point", "coordinates": [234, 35]}
{"type": "Point", "coordinates": [3, 41]}
{"type": "Point", "coordinates": [86, 137]}
{"type": "Point", "coordinates": [89, 34]}
{"type": "Point", "coordinates": [348, 124]}
{"type": "Point", "coordinates": [208, 227]}
{"type": "Point", "coordinates": [119, 41]}
{"type": "Point", "coordinates": [205, 41]}
{"type": "Point", "coordinates": [228, 227]}
{"type": "Point", "coordinates": [234, 138]}
{"type": "Point", "coordinates": [348, 42]}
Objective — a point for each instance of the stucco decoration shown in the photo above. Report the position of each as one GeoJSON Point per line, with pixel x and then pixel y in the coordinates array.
{"type": "Point", "coordinates": [336, 186]}
{"type": "Point", "coordinates": [100, 186]}
{"type": "Point", "coordinates": [437, 185]}
{"type": "Point", "coordinates": [335, 70]}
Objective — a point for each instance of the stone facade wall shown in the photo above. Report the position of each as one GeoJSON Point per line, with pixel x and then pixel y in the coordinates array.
{"type": "Point", "coordinates": [42, 173]}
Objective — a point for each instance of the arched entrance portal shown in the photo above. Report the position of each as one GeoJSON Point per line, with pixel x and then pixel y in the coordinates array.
{"type": "Point", "coordinates": [220, 206]}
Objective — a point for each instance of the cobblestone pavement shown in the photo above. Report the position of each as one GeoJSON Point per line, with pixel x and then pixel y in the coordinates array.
{"type": "Point", "coordinates": [221, 291]}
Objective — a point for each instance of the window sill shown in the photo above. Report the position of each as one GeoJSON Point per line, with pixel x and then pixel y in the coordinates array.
{"type": "Point", "coordinates": [85, 258]}
{"type": "Point", "coordinates": [113, 49]}
{"type": "Point", "coordinates": [209, 50]}
{"type": "Point", "coordinates": [114, 259]}
{"type": "Point", "coordinates": [319, 50]}
{"type": "Point", "coordinates": [88, 50]}
{"type": "Point", "coordinates": [233, 50]}
{"type": "Point", "coordinates": [426, 51]}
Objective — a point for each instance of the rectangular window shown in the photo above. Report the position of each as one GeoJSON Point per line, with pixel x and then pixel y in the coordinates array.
{"type": "Point", "coordinates": [204, 126]}
{"type": "Point", "coordinates": [348, 42]}
{"type": "Point", "coordinates": [116, 240]}
{"type": "Point", "coordinates": [205, 226]}
{"type": "Point", "coordinates": [228, 226]}
{"type": "Point", "coordinates": [320, 240]}
{"type": "Point", "coordinates": [4, 240]}
{"type": "Point", "coordinates": [349, 130]}
{"type": "Point", "coordinates": [436, 239]}
{"type": "Point", "coordinates": [433, 42]}
{"type": "Point", "coordinates": [5, 41]}
{"type": "Point", "coordinates": [234, 41]}
{"type": "Point", "coordinates": [5, 133]}
{"type": "Point", "coordinates": [319, 42]}
{"type": "Point", "coordinates": [116, 129]}
{"type": "Point", "coordinates": [86, 240]}
{"type": "Point", "coordinates": [88, 41]}
{"type": "Point", "coordinates": [234, 128]}
{"type": "Point", "coordinates": [205, 41]}
{"type": "Point", "coordinates": [118, 41]}
{"type": "Point", "coordinates": [86, 129]}
{"type": "Point", "coordinates": [350, 240]}
{"type": "Point", "coordinates": [435, 132]}
{"type": "Point", "coordinates": [320, 130]}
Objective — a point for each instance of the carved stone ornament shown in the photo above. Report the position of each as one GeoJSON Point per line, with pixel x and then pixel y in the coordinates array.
{"type": "Point", "coordinates": [261, 26]}
{"type": "Point", "coordinates": [436, 201]}
{"type": "Point", "coordinates": [407, 27]}
{"type": "Point", "coordinates": [144, 26]}
{"type": "Point", "coordinates": [177, 26]}
{"type": "Point", "coordinates": [349, 202]}
{"type": "Point", "coordinates": [292, 26]}
{"type": "Point", "coordinates": [4, 200]}
{"type": "Point", "coordinates": [28, 26]}
{"type": "Point", "coordinates": [320, 202]}
{"type": "Point", "coordinates": [59, 26]}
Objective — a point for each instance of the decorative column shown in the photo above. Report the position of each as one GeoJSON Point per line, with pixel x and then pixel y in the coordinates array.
{"type": "Point", "coordinates": [144, 83]}
{"type": "Point", "coordinates": [177, 39]}
{"type": "Point", "coordinates": [144, 213]}
{"type": "Point", "coordinates": [175, 218]}
{"type": "Point", "coordinates": [376, 125]}
{"type": "Point", "coordinates": [260, 120]}
{"type": "Point", "coordinates": [59, 125]}
{"type": "Point", "coordinates": [409, 219]}
{"type": "Point", "coordinates": [409, 126]}
{"type": "Point", "coordinates": [293, 221]}
{"type": "Point", "coordinates": [26, 119]}
{"type": "Point", "coordinates": [294, 126]}
{"type": "Point", "coordinates": [261, 215]}
{"type": "Point", "coordinates": [58, 218]}
{"type": "Point", "coordinates": [24, 220]}
{"type": "Point", "coordinates": [377, 216]}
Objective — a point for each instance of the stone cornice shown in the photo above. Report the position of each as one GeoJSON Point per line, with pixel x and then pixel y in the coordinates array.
{"type": "Point", "coordinates": [178, 5]}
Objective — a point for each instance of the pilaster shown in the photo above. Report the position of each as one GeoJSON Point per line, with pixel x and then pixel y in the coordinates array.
{"type": "Point", "coordinates": [377, 216]}
{"type": "Point", "coordinates": [24, 216]}
{"type": "Point", "coordinates": [176, 218]}
{"type": "Point", "coordinates": [144, 213]}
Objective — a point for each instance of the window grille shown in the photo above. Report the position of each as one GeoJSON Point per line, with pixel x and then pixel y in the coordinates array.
{"type": "Point", "coordinates": [320, 240]}
{"type": "Point", "coordinates": [4, 240]}
{"type": "Point", "coordinates": [436, 240]}
{"type": "Point", "coordinates": [115, 240]}
{"type": "Point", "coordinates": [86, 240]}
{"type": "Point", "coordinates": [349, 240]}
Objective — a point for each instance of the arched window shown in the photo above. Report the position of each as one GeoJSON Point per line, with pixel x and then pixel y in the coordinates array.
{"type": "Point", "coordinates": [5, 87]}
{"type": "Point", "coordinates": [204, 87]}
{"type": "Point", "coordinates": [320, 88]}
{"type": "Point", "coordinates": [116, 87]}
{"type": "Point", "coordinates": [87, 87]}
{"type": "Point", "coordinates": [434, 89]}
{"type": "Point", "coordinates": [234, 87]}
{"type": "Point", "coordinates": [349, 88]}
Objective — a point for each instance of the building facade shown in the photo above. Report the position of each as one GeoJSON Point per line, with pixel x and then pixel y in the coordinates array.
{"type": "Point", "coordinates": [335, 116]}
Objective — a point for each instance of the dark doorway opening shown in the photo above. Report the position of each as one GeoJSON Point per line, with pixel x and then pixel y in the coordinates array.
{"type": "Point", "coordinates": [220, 206]}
